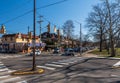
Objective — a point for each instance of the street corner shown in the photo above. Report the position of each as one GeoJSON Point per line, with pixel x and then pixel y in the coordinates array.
{"type": "Point", "coordinates": [28, 71]}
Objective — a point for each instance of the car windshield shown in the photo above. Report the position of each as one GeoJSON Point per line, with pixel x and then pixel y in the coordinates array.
{"type": "Point", "coordinates": [70, 50]}
{"type": "Point", "coordinates": [56, 49]}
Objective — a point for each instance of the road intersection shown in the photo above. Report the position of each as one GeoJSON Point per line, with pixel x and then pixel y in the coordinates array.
{"type": "Point", "coordinates": [61, 69]}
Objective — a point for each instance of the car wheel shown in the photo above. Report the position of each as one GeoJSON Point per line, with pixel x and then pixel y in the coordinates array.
{"type": "Point", "coordinates": [72, 54]}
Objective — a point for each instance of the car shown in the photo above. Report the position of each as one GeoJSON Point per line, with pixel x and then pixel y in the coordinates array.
{"type": "Point", "coordinates": [68, 52]}
{"type": "Point", "coordinates": [37, 52]}
{"type": "Point", "coordinates": [56, 50]}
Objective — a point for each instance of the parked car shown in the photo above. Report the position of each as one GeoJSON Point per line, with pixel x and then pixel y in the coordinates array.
{"type": "Point", "coordinates": [56, 50]}
{"type": "Point", "coordinates": [37, 52]}
{"type": "Point", "coordinates": [68, 52]}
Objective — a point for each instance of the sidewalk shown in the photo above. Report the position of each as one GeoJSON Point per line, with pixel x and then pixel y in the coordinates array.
{"type": "Point", "coordinates": [89, 55]}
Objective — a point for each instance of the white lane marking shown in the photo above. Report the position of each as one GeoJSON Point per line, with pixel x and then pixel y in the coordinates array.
{"type": "Point", "coordinates": [1, 64]}
{"type": "Point", "coordinates": [61, 63]}
{"type": "Point", "coordinates": [5, 69]}
{"type": "Point", "coordinates": [71, 59]}
{"type": "Point", "coordinates": [45, 67]}
{"type": "Point", "coordinates": [6, 72]}
{"type": "Point", "coordinates": [11, 71]}
{"type": "Point", "coordinates": [22, 81]}
{"type": "Point", "coordinates": [1, 77]}
{"type": "Point", "coordinates": [117, 64]}
{"type": "Point", "coordinates": [54, 65]}
{"type": "Point", "coordinates": [10, 79]}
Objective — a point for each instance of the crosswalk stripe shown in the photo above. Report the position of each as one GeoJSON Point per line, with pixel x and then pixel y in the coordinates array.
{"type": "Point", "coordinates": [61, 63]}
{"type": "Point", "coordinates": [54, 65]}
{"type": "Point", "coordinates": [5, 69]}
{"type": "Point", "coordinates": [6, 72]}
{"type": "Point", "coordinates": [117, 64]}
{"type": "Point", "coordinates": [10, 79]}
{"type": "Point", "coordinates": [22, 81]}
{"type": "Point", "coordinates": [71, 59]}
{"type": "Point", "coordinates": [1, 64]}
{"type": "Point", "coordinates": [50, 68]}
{"type": "Point", "coordinates": [4, 76]}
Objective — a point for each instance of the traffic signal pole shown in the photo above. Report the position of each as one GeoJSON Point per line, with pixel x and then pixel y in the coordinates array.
{"type": "Point", "coordinates": [34, 35]}
{"type": "Point", "coordinates": [80, 40]}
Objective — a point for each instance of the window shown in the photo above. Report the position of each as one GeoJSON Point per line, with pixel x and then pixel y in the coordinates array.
{"type": "Point", "coordinates": [22, 39]}
{"type": "Point", "coordinates": [5, 38]}
{"type": "Point", "coordinates": [11, 38]}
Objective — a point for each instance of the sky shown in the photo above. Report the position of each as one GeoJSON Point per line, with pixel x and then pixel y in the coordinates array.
{"type": "Point", "coordinates": [17, 15]}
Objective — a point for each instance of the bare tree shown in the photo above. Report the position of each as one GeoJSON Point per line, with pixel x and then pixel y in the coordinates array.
{"type": "Point", "coordinates": [104, 21]}
{"type": "Point", "coordinates": [96, 22]}
{"type": "Point", "coordinates": [68, 28]}
{"type": "Point", "coordinates": [113, 19]}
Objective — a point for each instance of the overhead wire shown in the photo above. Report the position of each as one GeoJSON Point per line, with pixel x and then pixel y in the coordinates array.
{"type": "Point", "coordinates": [32, 11]}
{"type": "Point", "coordinates": [53, 4]}
{"type": "Point", "coordinates": [16, 17]}
{"type": "Point", "coordinates": [16, 8]}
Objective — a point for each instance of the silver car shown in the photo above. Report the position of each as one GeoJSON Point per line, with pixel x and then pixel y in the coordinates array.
{"type": "Point", "coordinates": [68, 52]}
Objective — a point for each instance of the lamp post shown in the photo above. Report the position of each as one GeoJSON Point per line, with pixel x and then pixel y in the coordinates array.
{"type": "Point", "coordinates": [80, 37]}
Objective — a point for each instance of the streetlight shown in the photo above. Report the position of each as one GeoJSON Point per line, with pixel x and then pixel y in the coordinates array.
{"type": "Point", "coordinates": [80, 38]}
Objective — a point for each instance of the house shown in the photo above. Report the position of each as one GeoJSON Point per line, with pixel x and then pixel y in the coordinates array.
{"type": "Point", "coordinates": [17, 42]}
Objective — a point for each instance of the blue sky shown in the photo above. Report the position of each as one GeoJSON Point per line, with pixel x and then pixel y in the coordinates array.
{"type": "Point", "coordinates": [57, 14]}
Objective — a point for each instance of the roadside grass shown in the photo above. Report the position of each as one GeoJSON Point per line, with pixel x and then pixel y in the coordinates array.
{"type": "Point", "coordinates": [104, 53]}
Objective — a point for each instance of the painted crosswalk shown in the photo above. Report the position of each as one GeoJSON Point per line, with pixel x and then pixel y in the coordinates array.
{"type": "Point", "coordinates": [9, 56]}
{"type": "Point", "coordinates": [117, 64]}
{"type": "Point", "coordinates": [5, 76]}
{"type": "Point", "coordinates": [61, 63]}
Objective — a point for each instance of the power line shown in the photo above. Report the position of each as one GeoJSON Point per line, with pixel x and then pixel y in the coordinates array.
{"type": "Point", "coordinates": [17, 17]}
{"type": "Point", "coordinates": [47, 20]}
{"type": "Point", "coordinates": [32, 11]}
{"type": "Point", "coordinates": [53, 4]}
{"type": "Point", "coordinates": [16, 8]}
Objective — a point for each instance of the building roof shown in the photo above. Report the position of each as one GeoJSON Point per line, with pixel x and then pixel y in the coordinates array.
{"type": "Point", "coordinates": [17, 35]}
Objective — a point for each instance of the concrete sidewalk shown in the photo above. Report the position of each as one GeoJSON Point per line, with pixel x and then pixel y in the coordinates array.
{"type": "Point", "coordinates": [89, 55]}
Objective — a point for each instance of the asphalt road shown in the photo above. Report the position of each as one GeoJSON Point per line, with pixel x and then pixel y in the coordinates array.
{"type": "Point", "coordinates": [64, 69]}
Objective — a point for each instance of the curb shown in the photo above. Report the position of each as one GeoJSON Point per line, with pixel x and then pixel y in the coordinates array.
{"type": "Point", "coordinates": [28, 71]}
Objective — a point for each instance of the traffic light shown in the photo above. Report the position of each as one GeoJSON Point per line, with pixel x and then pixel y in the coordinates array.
{"type": "Point", "coordinates": [30, 35]}
{"type": "Point", "coordinates": [48, 27]}
{"type": "Point", "coordinates": [3, 30]}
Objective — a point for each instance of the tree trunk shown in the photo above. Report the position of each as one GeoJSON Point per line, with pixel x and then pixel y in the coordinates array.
{"type": "Point", "coordinates": [112, 47]}
{"type": "Point", "coordinates": [101, 41]}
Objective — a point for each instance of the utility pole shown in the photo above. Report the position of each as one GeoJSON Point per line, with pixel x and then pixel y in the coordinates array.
{"type": "Point", "coordinates": [80, 38]}
{"type": "Point", "coordinates": [40, 22]}
{"type": "Point", "coordinates": [34, 35]}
